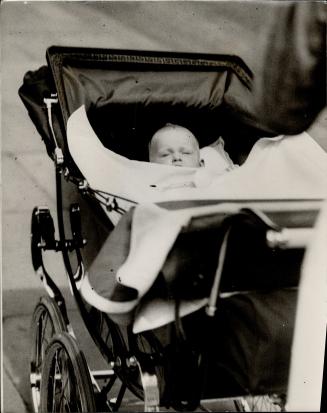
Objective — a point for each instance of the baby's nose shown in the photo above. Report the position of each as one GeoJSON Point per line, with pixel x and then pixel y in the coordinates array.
{"type": "Point", "coordinates": [177, 156]}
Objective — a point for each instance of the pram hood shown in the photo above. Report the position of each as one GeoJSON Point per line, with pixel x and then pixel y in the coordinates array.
{"type": "Point", "coordinates": [129, 94]}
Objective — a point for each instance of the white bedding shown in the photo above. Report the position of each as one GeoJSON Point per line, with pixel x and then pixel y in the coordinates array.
{"type": "Point", "coordinates": [285, 167]}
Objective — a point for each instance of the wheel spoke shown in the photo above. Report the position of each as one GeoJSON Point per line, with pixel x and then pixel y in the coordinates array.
{"type": "Point", "coordinates": [56, 373]}
{"type": "Point", "coordinates": [43, 340]}
{"type": "Point", "coordinates": [65, 369]}
{"type": "Point", "coordinates": [264, 403]}
{"type": "Point", "coordinates": [47, 320]}
{"type": "Point", "coordinates": [61, 394]}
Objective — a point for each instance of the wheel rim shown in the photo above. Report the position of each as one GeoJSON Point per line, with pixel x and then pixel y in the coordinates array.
{"type": "Point", "coordinates": [47, 321]}
{"type": "Point", "coordinates": [66, 384]}
{"type": "Point", "coordinates": [64, 391]}
{"type": "Point", "coordinates": [44, 331]}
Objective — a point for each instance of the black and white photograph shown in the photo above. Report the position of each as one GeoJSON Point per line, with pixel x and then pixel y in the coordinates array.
{"type": "Point", "coordinates": [164, 206]}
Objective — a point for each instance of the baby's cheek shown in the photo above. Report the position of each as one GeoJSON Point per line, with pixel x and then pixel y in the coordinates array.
{"type": "Point", "coordinates": [166, 161]}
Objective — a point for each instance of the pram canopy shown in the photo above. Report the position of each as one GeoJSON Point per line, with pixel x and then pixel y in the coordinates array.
{"type": "Point", "coordinates": [130, 94]}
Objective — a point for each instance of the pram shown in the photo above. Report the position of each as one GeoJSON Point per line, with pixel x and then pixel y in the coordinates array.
{"type": "Point", "coordinates": [221, 254]}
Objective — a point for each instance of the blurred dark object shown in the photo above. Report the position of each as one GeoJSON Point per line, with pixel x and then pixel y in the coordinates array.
{"type": "Point", "coordinates": [292, 88]}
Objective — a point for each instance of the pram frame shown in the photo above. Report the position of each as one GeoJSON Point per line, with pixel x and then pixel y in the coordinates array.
{"type": "Point", "coordinates": [39, 234]}
{"type": "Point", "coordinates": [42, 241]}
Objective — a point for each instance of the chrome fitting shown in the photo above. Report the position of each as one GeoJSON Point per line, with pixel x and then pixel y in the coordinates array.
{"type": "Point", "coordinates": [117, 362]}
{"type": "Point", "coordinates": [58, 155]}
{"type": "Point", "coordinates": [210, 310]}
{"type": "Point", "coordinates": [277, 239]}
{"type": "Point", "coordinates": [111, 203]}
{"type": "Point", "coordinates": [49, 101]}
{"type": "Point", "coordinates": [83, 185]}
{"type": "Point", "coordinates": [66, 173]}
{"type": "Point", "coordinates": [131, 362]}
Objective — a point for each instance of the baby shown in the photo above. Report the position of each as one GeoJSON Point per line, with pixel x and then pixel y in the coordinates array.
{"type": "Point", "coordinates": [175, 145]}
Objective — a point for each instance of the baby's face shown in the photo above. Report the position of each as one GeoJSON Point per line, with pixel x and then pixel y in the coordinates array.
{"type": "Point", "coordinates": [175, 146]}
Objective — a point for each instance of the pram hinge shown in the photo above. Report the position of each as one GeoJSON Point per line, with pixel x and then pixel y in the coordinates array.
{"type": "Point", "coordinates": [58, 154]}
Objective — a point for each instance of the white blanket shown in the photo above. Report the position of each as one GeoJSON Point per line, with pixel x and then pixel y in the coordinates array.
{"type": "Point", "coordinates": [286, 167]}
{"type": "Point", "coordinates": [154, 231]}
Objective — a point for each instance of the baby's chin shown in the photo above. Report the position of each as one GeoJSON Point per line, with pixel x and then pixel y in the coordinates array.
{"type": "Point", "coordinates": [186, 166]}
{"type": "Point", "coordinates": [183, 165]}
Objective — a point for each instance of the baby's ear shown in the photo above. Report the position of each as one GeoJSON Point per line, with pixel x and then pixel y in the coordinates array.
{"type": "Point", "coordinates": [202, 162]}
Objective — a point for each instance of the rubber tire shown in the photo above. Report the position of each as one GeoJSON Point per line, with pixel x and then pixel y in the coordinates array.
{"type": "Point", "coordinates": [55, 323]}
{"type": "Point", "coordinates": [77, 371]}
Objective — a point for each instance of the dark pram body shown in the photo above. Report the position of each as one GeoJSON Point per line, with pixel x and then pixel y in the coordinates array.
{"type": "Point", "coordinates": [245, 347]}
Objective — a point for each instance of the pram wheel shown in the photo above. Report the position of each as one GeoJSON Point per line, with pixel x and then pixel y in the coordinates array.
{"type": "Point", "coordinates": [46, 322]}
{"type": "Point", "coordinates": [66, 384]}
{"type": "Point", "coordinates": [148, 349]}
{"type": "Point", "coordinates": [264, 403]}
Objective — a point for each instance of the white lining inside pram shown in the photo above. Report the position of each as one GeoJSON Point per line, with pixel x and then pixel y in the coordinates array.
{"type": "Point", "coordinates": [293, 167]}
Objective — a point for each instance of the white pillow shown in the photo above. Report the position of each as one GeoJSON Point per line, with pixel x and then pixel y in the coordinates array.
{"type": "Point", "coordinates": [215, 158]}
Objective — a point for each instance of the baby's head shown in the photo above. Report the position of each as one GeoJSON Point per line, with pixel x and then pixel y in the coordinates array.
{"type": "Point", "coordinates": [175, 145]}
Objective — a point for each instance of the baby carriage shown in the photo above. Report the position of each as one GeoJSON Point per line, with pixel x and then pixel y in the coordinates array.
{"type": "Point", "coordinates": [229, 276]}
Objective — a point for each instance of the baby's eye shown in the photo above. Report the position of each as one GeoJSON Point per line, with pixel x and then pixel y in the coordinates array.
{"type": "Point", "coordinates": [163, 155]}
{"type": "Point", "coordinates": [187, 153]}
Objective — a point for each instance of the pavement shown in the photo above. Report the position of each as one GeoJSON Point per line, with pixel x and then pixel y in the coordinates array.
{"type": "Point", "coordinates": [18, 308]}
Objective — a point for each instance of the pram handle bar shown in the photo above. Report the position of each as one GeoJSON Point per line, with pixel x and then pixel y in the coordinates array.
{"type": "Point", "coordinates": [289, 238]}
{"type": "Point", "coordinates": [276, 237]}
